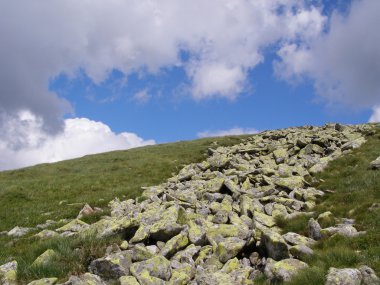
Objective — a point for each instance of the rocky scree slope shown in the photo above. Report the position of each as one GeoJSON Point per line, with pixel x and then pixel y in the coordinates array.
{"type": "Point", "coordinates": [216, 221]}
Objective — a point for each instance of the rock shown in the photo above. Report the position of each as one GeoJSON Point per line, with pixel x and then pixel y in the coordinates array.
{"type": "Point", "coordinates": [290, 183]}
{"type": "Point", "coordinates": [280, 155]}
{"type": "Point", "coordinates": [85, 279]}
{"type": "Point", "coordinates": [112, 266]}
{"type": "Point", "coordinates": [8, 273]}
{"type": "Point", "coordinates": [285, 269]}
{"type": "Point", "coordinates": [124, 245]}
{"type": "Point", "coordinates": [19, 231]}
{"type": "Point", "coordinates": [345, 276]}
{"type": "Point", "coordinates": [369, 276]}
{"type": "Point", "coordinates": [175, 244]}
{"type": "Point", "coordinates": [167, 226]}
{"type": "Point", "coordinates": [326, 218]}
{"type": "Point", "coordinates": [218, 160]}
{"type": "Point", "coordinates": [375, 164]}
{"type": "Point", "coordinates": [264, 219]}
{"type": "Point", "coordinates": [274, 245]}
{"type": "Point", "coordinates": [73, 226]}
{"type": "Point", "coordinates": [44, 259]}
{"type": "Point", "coordinates": [229, 247]}
{"type": "Point", "coordinates": [141, 252]}
{"type": "Point", "coordinates": [158, 267]}
{"type": "Point", "coordinates": [300, 251]}
{"type": "Point", "coordinates": [341, 229]}
{"type": "Point", "coordinates": [87, 210]}
{"type": "Point", "coordinates": [197, 233]}
{"type": "Point", "coordinates": [46, 234]}
{"type": "Point", "coordinates": [314, 229]}
{"type": "Point", "coordinates": [128, 280]}
{"type": "Point", "coordinates": [44, 281]}
{"type": "Point", "coordinates": [296, 239]}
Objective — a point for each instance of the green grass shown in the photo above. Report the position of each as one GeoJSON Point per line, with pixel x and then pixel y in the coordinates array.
{"type": "Point", "coordinates": [32, 195]}
{"type": "Point", "coordinates": [356, 188]}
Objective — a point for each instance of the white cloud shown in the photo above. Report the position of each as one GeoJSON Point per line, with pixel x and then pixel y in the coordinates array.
{"type": "Point", "coordinates": [141, 96]}
{"type": "Point", "coordinates": [224, 39]}
{"type": "Point", "coordinates": [230, 132]}
{"type": "Point", "coordinates": [375, 117]}
{"type": "Point", "coordinates": [80, 136]}
{"type": "Point", "coordinates": [344, 62]}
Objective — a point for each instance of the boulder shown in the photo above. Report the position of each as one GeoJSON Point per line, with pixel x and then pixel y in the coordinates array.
{"type": "Point", "coordinates": [285, 269]}
{"type": "Point", "coordinates": [345, 276]}
{"type": "Point", "coordinates": [85, 279]}
{"type": "Point", "coordinates": [8, 273]}
{"type": "Point", "coordinates": [297, 239]}
{"type": "Point", "coordinates": [369, 276]}
{"type": "Point", "coordinates": [112, 266]}
{"type": "Point", "coordinates": [375, 164]}
{"type": "Point", "coordinates": [45, 258]}
{"type": "Point", "coordinates": [19, 232]}
{"type": "Point", "coordinates": [229, 247]}
{"type": "Point", "coordinates": [274, 245]}
{"type": "Point", "coordinates": [175, 244]}
{"type": "Point", "coordinates": [314, 229]}
{"type": "Point", "coordinates": [157, 266]}
{"type": "Point", "coordinates": [73, 226]}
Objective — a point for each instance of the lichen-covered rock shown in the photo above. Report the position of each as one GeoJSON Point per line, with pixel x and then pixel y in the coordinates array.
{"type": "Point", "coordinates": [229, 248]}
{"type": "Point", "coordinates": [8, 273]}
{"type": "Point", "coordinates": [369, 276]}
{"type": "Point", "coordinates": [325, 218]}
{"type": "Point", "coordinates": [46, 234]}
{"type": "Point", "coordinates": [274, 245]}
{"type": "Point", "coordinates": [300, 251]}
{"type": "Point", "coordinates": [197, 232]}
{"type": "Point", "coordinates": [158, 267]}
{"type": "Point", "coordinates": [375, 164]}
{"type": "Point", "coordinates": [167, 226]}
{"type": "Point", "coordinates": [314, 229]}
{"type": "Point", "coordinates": [175, 244]}
{"type": "Point", "coordinates": [341, 229]}
{"type": "Point", "coordinates": [112, 266]}
{"type": "Point", "coordinates": [87, 210]}
{"type": "Point", "coordinates": [285, 269]}
{"type": "Point", "coordinates": [345, 276]}
{"type": "Point", "coordinates": [44, 281]}
{"type": "Point", "coordinates": [297, 239]}
{"type": "Point", "coordinates": [85, 279]}
{"type": "Point", "coordinates": [280, 155]}
{"type": "Point", "coordinates": [44, 259]}
{"type": "Point", "coordinates": [73, 226]}
{"type": "Point", "coordinates": [128, 280]}
{"type": "Point", "coordinates": [290, 183]}
{"type": "Point", "coordinates": [19, 231]}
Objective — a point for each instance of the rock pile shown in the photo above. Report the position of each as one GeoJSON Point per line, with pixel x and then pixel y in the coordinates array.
{"type": "Point", "coordinates": [216, 221]}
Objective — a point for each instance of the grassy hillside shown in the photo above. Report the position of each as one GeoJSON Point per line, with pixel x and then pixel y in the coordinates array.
{"type": "Point", "coordinates": [53, 191]}
{"type": "Point", "coordinates": [32, 195]}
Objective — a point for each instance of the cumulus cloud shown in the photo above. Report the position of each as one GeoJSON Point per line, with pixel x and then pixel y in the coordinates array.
{"type": "Point", "coordinates": [343, 62]}
{"type": "Point", "coordinates": [229, 132]}
{"type": "Point", "coordinates": [375, 117]}
{"type": "Point", "coordinates": [27, 144]}
{"type": "Point", "coordinates": [224, 39]}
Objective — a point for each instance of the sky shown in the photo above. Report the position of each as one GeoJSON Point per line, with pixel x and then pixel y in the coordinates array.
{"type": "Point", "coordinates": [84, 77]}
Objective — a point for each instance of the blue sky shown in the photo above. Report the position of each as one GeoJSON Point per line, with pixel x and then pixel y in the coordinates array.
{"type": "Point", "coordinates": [170, 114]}
{"type": "Point", "coordinates": [103, 76]}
